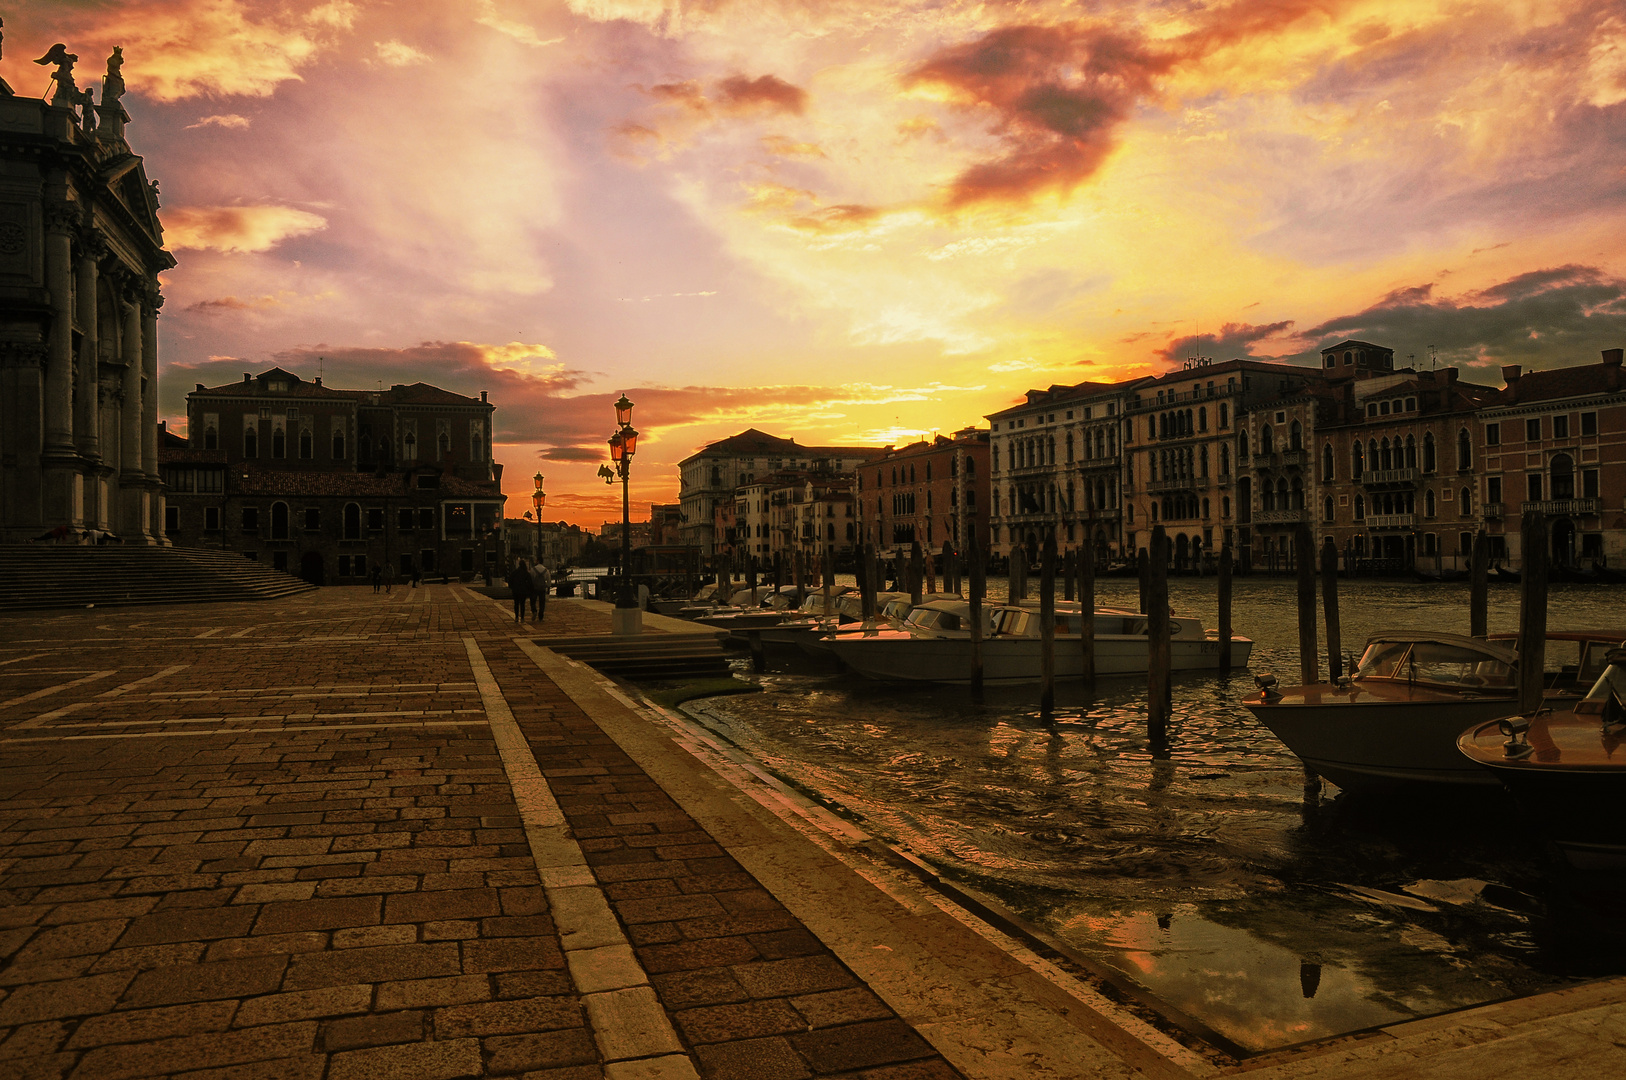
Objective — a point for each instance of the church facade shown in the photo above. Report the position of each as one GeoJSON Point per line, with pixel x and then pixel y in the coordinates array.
{"type": "Point", "coordinates": [81, 249]}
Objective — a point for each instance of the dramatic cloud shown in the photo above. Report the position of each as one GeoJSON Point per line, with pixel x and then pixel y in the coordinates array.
{"type": "Point", "coordinates": [236, 228]}
{"type": "Point", "coordinates": [225, 120]}
{"type": "Point", "coordinates": [1057, 95]}
{"type": "Point", "coordinates": [1233, 340]}
{"type": "Point", "coordinates": [765, 92]}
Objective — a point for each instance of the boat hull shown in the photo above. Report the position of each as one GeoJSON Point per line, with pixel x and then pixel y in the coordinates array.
{"type": "Point", "coordinates": [1383, 743]}
{"type": "Point", "coordinates": [901, 658]}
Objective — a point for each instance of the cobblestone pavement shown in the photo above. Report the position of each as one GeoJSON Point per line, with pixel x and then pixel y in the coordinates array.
{"type": "Point", "coordinates": [349, 835]}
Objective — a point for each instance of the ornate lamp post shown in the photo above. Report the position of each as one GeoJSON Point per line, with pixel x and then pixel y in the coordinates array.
{"type": "Point", "coordinates": [539, 499]}
{"type": "Point", "coordinates": [623, 445]}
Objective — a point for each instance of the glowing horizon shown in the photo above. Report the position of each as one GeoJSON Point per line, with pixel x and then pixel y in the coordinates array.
{"type": "Point", "coordinates": [854, 223]}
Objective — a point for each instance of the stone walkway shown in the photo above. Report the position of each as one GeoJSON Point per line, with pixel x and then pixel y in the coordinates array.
{"type": "Point", "coordinates": [354, 836]}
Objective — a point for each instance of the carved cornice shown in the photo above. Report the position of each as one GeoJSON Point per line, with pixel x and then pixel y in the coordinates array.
{"type": "Point", "coordinates": [23, 353]}
{"type": "Point", "coordinates": [62, 218]}
{"type": "Point", "coordinates": [93, 244]}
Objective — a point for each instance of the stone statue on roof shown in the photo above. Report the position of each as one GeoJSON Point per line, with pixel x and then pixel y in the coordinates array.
{"type": "Point", "coordinates": [67, 94]}
{"type": "Point", "coordinates": [112, 111]}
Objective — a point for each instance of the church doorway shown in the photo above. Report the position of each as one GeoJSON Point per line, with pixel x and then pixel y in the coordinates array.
{"type": "Point", "coordinates": [310, 567]}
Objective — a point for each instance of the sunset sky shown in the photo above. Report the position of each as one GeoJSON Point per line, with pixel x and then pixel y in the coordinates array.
{"type": "Point", "coordinates": [853, 222]}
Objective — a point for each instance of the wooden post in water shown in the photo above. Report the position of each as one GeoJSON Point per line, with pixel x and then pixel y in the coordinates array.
{"type": "Point", "coordinates": [1159, 695]}
{"type": "Point", "coordinates": [1047, 627]}
{"type": "Point", "coordinates": [1533, 612]}
{"type": "Point", "coordinates": [1018, 577]}
{"type": "Point", "coordinates": [759, 659]}
{"type": "Point", "coordinates": [915, 573]}
{"type": "Point", "coordinates": [778, 571]}
{"type": "Point", "coordinates": [979, 581]}
{"type": "Point", "coordinates": [1225, 606]}
{"type": "Point", "coordinates": [1329, 608]}
{"type": "Point", "coordinates": [1069, 573]}
{"type": "Point", "coordinates": [798, 576]}
{"type": "Point", "coordinates": [1086, 608]}
{"type": "Point", "coordinates": [828, 581]}
{"type": "Point", "coordinates": [1145, 566]}
{"type": "Point", "coordinates": [1304, 559]}
{"type": "Point", "coordinates": [1479, 586]}
{"type": "Point", "coordinates": [951, 569]}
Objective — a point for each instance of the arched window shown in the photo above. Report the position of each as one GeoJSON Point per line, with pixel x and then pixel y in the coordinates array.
{"type": "Point", "coordinates": [1372, 454]}
{"type": "Point", "coordinates": [409, 447]}
{"type": "Point", "coordinates": [1357, 461]}
{"type": "Point", "coordinates": [1225, 460]}
{"type": "Point", "coordinates": [1386, 461]}
{"type": "Point", "coordinates": [1205, 508]}
{"type": "Point", "coordinates": [1411, 452]}
{"type": "Point", "coordinates": [307, 447]}
{"type": "Point", "coordinates": [970, 467]}
{"type": "Point", "coordinates": [443, 447]}
{"type": "Point", "coordinates": [1428, 453]}
{"type": "Point", "coordinates": [1428, 503]}
{"type": "Point", "coordinates": [1326, 509]}
{"type": "Point", "coordinates": [1242, 446]}
{"type": "Point", "coordinates": [1465, 503]}
{"type": "Point", "coordinates": [1465, 450]}
{"type": "Point", "coordinates": [1202, 462]}
{"type": "Point", "coordinates": [1225, 414]}
{"type": "Point", "coordinates": [1069, 446]}
{"type": "Point", "coordinates": [1360, 508]}
{"type": "Point", "coordinates": [1154, 517]}
{"type": "Point", "coordinates": [1298, 493]}
{"type": "Point", "coordinates": [1225, 506]}
{"type": "Point", "coordinates": [338, 446]}
{"type": "Point", "coordinates": [1267, 440]}
{"type": "Point", "coordinates": [1326, 462]}
{"type": "Point", "coordinates": [1563, 470]}
{"type": "Point", "coordinates": [1295, 436]}
{"type": "Point", "coordinates": [1202, 420]}
{"type": "Point", "coordinates": [279, 444]}
{"type": "Point", "coordinates": [279, 521]}
{"type": "Point", "coordinates": [352, 521]}
{"type": "Point", "coordinates": [211, 439]}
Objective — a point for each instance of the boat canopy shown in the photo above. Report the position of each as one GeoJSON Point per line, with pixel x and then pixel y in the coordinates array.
{"type": "Point", "coordinates": [1449, 659]}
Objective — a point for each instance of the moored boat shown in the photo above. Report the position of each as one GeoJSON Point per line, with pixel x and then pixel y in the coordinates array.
{"type": "Point", "coordinates": [1566, 768]}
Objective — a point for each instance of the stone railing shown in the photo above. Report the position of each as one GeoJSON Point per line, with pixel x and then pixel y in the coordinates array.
{"type": "Point", "coordinates": [1565, 507]}
{"type": "Point", "coordinates": [1280, 517]}
{"type": "Point", "coordinates": [1390, 521]}
{"type": "Point", "coordinates": [1376, 477]}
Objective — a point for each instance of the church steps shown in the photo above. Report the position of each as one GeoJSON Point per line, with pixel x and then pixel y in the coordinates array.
{"type": "Point", "coordinates": [46, 576]}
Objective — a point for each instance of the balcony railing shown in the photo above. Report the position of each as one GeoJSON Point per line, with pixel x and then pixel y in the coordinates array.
{"type": "Point", "coordinates": [1390, 521]}
{"type": "Point", "coordinates": [1565, 507]}
{"type": "Point", "coordinates": [1280, 517]}
{"type": "Point", "coordinates": [1294, 459]}
{"type": "Point", "coordinates": [1389, 478]}
{"type": "Point", "coordinates": [1495, 511]}
{"type": "Point", "coordinates": [1224, 479]}
{"type": "Point", "coordinates": [1190, 483]}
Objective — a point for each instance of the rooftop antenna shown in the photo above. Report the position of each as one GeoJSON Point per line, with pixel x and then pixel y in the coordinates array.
{"type": "Point", "coordinates": [1433, 359]}
{"type": "Point", "coordinates": [321, 366]}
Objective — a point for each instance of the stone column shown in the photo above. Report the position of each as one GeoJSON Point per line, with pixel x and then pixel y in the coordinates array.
{"type": "Point", "coordinates": [86, 427]}
{"type": "Point", "coordinates": [149, 416]}
{"type": "Point", "coordinates": [132, 482]}
{"type": "Point", "coordinates": [62, 499]}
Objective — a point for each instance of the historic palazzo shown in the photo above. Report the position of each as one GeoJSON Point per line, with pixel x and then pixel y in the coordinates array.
{"type": "Point", "coordinates": [81, 249]}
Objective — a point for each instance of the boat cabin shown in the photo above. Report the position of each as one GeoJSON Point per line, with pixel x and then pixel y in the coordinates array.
{"type": "Point", "coordinates": [1441, 659]}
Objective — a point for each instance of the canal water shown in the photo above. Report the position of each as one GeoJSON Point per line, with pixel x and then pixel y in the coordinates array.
{"type": "Point", "coordinates": [1255, 914]}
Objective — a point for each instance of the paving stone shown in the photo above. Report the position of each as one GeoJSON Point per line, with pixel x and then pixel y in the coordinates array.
{"type": "Point", "coordinates": [749, 1020]}
{"type": "Point", "coordinates": [547, 1051]}
{"type": "Point", "coordinates": [97, 910]}
{"type": "Point", "coordinates": [78, 939]}
{"type": "Point", "coordinates": [929, 1069]}
{"type": "Point", "coordinates": [841, 1007]}
{"type": "Point", "coordinates": [269, 892]}
{"type": "Point", "coordinates": [511, 954]}
{"type": "Point", "coordinates": [305, 1005]}
{"type": "Point", "coordinates": [670, 1067]}
{"type": "Point", "coordinates": [783, 944]}
{"type": "Point", "coordinates": [326, 914]}
{"type": "Point", "coordinates": [441, 1060]}
{"type": "Point", "coordinates": [378, 1030]}
{"type": "Point", "coordinates": [142, 1025]}
{"type": "Point", "coordinates": [421, 993]}
{"type": "Point", "coordinates": [385, 963]}
{"type": "Point", "coordinates": [360, 936]}
{"type": "Point", "coordinates": [856, 1046]}
{"type": "Point", "coordinates": [752, 1059]}
{"type": "Point", "coordinates": [41, 971]}
{"type": "Point", "coordinates": [507, 1017]}
{"type": "Point", "coordinates": [801, 975]}
{"type": "Point", "coordinates": [33, 1040]}
{"type": "Point", "coordinates": [708, 986]}
{"type": "Point", "coordinates": [450, 930]}
{"type": "Point", "coordinates": [630, 1023]}
{"type": "Point", "coordinates": [267, 945]}
{"type": "Point", "coordinates": [189, 924]}
{"type": "Point", "coordinates": [68, 997]}
{"type": "Point", "coordinates": [248, 977]}
{"type": "Point", "coordinates": [43, 1067]}
{"type": "Point", "coordinates": [196, 1051]}
{"type": "Point", "coordinates": [690, 955]}
{"type": "Point", "coordinates": [299, 1067]}
{"type": "Point", "coordinates": [513, 984]}
{"type": "Point", "coordinates": [446, 904]}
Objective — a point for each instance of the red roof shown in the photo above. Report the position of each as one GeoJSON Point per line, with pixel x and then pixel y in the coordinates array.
{"type": "Point", "coordinates": [1576, 381]}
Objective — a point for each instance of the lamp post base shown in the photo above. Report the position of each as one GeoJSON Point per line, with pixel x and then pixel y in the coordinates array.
{"type": "Point", "coordinates": [626, 620]}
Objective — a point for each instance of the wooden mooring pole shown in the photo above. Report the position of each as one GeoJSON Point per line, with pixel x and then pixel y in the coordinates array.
{"type": "Point", "coordinates": [1533, 612]}
{"type": "Point", "coordinates": [916, 578]}
{"type": "Point", "coordinates": [979, 581]}
{"type": "Point", "coordinates": [1047, 627]}
{"type": "Point", "coordinates": [1329, 610]}
{"type": "Point", "coordinates": [1144, 565]}
{"type": "Point", "coordinates": [1017, 580]}
{"type": "Point", "coordinates": [1159, 693]}
{"type": "Point", "coordinates": [1225, 607]}
{"type": "Point", "coordinates": [1304, 560]}
{"type": "Point", "coordinates": [1086, 608]}
{"type": "Point", "coordinates": [1069, 574]}
{"type": "Point", "coordinates": [1479, 586]}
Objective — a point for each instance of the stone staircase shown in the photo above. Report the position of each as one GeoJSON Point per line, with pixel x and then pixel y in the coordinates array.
{"type": "Point", "coordinates": [42, 576]}
{"type": "Point", "coordinates": [647, 655]}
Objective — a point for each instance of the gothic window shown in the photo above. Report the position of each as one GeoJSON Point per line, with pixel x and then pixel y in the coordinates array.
{"type": "Point", "coordinates": [251, 443]}
{"type": "Point", "coordinates": [211, 439]}
{"type": "Point", "coordinates": [1357, 461]}
{"type": "Point", "coordinates": [1428, 503]}
{"type": "Point", "coordinates": [1242, 446]}
{"type": "Point", "coordinates": [1295, 436]}
{"type": "Point", "coordinates": [352, 521]}
{"type": "Point", "coordinates": [1267, 440]}
{"type": "Point", "coordinates": [1326, 462]}
{"type": "Point", "coordinates": [338, 446]}
{"type": "Point", "coordinates": [1388, 462]}
{"type": "Point", "coordinates": [1327, 510]}
{"type": "Point", "coordinates": [279, 521]}
{"type": "Point", "coordinates": [443, 447]}
{"type": "Point", "coordinates": [1465, 450]}
{"type": "Point", "coordinates": [1225, 414]}
{"type": "Point", "coordinates": [307, 447]}
{"type": "Point", "coordinates": [1225, 460]}
{"type": "Point", "coordinates": [1202, 418]}
{"type": "Point", "coordinates": [1360, 508]}
{"type": "Point", "coordinates": [1203, 462]}
{"type": "Point", "coordinates": [409, 447]}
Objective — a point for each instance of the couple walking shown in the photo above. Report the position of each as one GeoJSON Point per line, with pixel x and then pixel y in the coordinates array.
{"type": "Point", "coordinates": [529, 584]}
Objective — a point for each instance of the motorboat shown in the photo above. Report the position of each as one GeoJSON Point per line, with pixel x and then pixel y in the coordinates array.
{"type": "Point", "coordinates": [813, 609]}
{"type": "Point", "coordinates": [1566, 767]}
{"type": "Point", "coordinates": [1396, 720]}
{"type": "Point", "coordinates": [765, 603]}
{"type": "Point", "coordinates": [934, 645]}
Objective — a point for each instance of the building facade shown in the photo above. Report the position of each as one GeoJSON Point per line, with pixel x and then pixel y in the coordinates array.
{"type": "Point", "coordinates": [715, 473]}
{"type": "Point", "coordinates": [81, 248]}
{"type": "Point", "coordinates": [329, 483]}
{"type": "Point", "coordinates": [933, 491]}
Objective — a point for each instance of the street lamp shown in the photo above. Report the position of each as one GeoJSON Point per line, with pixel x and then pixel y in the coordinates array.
{"type": "Point", "coordinates": [539, 499]}
{"type": "Point", "coordinates": [623, 445]}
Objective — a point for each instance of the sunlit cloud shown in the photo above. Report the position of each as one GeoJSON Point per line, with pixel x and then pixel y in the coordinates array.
{"type": "Point", "coordinates": [399, 54]}
{"type": "Point", "coordinates": [237, 228]}
{"type": "Point", "coordinates": [225, 120]}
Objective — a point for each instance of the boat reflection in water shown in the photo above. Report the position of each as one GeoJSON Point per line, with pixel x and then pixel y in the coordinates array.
{"type": "Point", "coordinates": [1566, 768]}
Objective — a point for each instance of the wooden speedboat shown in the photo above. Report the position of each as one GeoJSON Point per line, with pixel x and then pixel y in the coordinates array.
{"type": "Point", "coordinates": [1396, 721]}
{"type": "Point", "coordinates": [934, 645]}
{"type": "Point", "coordinates": [1566, 767]}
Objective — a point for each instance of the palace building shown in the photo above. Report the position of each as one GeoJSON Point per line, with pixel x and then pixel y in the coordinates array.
{"type": "Point", "coordinates": [81, 249]}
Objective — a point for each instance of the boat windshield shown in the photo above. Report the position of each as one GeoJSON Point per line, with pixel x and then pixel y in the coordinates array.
{"type": "Point", "coordinates": [1434, 662]}
{"type": "Point", "coordinates": [934, 619]}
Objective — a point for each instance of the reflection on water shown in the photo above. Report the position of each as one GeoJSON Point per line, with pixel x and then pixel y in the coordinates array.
{"type": "Point", "coordinates": [1205, 877]}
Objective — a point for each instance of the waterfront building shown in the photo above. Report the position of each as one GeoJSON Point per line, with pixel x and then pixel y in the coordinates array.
{"type": "Point", "coordinates": [81, 249]}
{"type": "Point", "coordinates": [715, 472]}
{"type": "Point", "coordinates": [1057, 462]}
{"type": "Point", "coordinates": [930, 491]}
{"type": "Point", "coordinates": [557, 543]}
{"type": "Point", "coordinates": [1188, 461]}
{"type": "Point", "coordinates": [328, 483]}
{"type": "Point", "coordinates": [1555, 441]}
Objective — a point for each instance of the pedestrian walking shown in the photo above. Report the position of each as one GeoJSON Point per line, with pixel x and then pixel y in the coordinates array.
{"type": "Point", "coordinates": [378, 577]}
{"type": "Point", "coordinates": [389, 578]}
{"type": "Point", "coordinates": [417, 575]}
{"type": "Point", "coordinates": [539, 590]}
{"type": "Point", "coordinates": [519, 588]}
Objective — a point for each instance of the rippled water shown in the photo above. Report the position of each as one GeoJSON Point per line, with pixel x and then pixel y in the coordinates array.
{"type": "Point", "coordinates": [1206, 878]}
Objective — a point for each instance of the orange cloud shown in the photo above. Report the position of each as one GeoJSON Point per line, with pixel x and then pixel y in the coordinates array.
{"type": "Point", "coordinates": [237, 228]}
{"type": "Point", "coordinates": [766, 91]}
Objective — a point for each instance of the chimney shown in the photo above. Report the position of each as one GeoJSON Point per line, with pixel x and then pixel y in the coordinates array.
{"type": "Point", "coordinates": [1612, 357]}
{"type": "Point", "coordinates": [318, 380]}
{"type": "Point", "coordinates": [200, 388]}
{"type": "Point", "coordinates": [1510, 373]}
{"type": "Point", "coordinates": [483, 393]}
{"type": "Point", "coordinates": [247, 377]}
{"type": "Point", "coordinates": [163, 427]}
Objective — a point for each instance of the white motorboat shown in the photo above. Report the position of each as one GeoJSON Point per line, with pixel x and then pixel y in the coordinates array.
{"type": "Point", "coordinates": [1396, 721]}
{"type": "Point", "coordinates": [764, 606]}
{"type": "Point", "coordinates": [936, 646]}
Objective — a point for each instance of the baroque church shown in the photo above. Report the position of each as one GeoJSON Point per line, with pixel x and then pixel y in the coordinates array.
{"type": "Point", "coordinates": [81, 249]}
